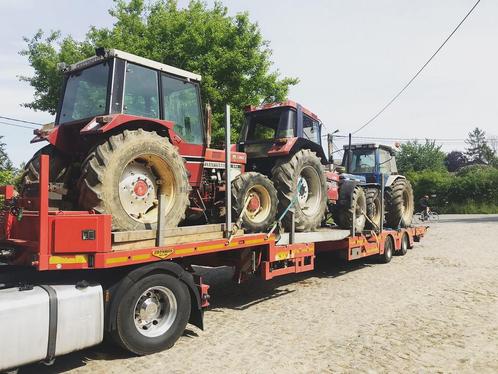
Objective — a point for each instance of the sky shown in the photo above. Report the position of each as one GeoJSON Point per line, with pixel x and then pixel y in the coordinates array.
{"type": "Point", "coordinates": [351, 58]}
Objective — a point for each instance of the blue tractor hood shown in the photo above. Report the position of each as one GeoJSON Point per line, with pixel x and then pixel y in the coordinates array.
{"type": "Point", "coordinates": [353, 177]}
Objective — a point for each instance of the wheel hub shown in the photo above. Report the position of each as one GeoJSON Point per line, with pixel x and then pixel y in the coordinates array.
{"type": "Point", "coordinates": [155, 311]}
{"type": "Point", "coordinates": [254, 203]}
{"type": "Point", "coordinates": [137, 189]}
{"type": "Point", "coordinates": [302, 194]}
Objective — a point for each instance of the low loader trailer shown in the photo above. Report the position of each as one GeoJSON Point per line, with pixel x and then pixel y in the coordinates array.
{"type": "Point", "coordinates": [68, 280]}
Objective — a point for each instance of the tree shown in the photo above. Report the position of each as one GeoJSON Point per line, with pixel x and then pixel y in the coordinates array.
{"type": "Point", "coordinates": [7, 170]}
{"type": "Point", "coordinates": [478, 151]}
{"type": "Point", "coordinates": [229, 52]}
{"type": "Point", "coordinates": [455, 160]}
{"type": "Point", "coordinates": [415, 156]}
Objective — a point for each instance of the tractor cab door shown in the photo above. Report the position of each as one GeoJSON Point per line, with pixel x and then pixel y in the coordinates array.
{"type": "Point", "coordinates": [181, 104]}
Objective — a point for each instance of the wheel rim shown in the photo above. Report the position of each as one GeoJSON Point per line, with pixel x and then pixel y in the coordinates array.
{"type": "Point", "coordinates": [259, 205]}
{"type": "Point", "coordinates": [309, 194]}
{"type": "Point", "coordinates": [155, 311]}
{"type": "Point", "coordinates": [407, 206]}
{"type": "Point", "coordinates": [141, 182]}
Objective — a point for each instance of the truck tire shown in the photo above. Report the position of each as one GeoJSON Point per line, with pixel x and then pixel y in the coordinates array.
{"type": "Point", "coordinates": [405, 244]}
{"type": "Point", "coordinates": [152, 315]}
{"type": "Point", "coordinates": [357, 205]}
{"type": "Point", "coordinates": [58, 172]}
{"type": "Point", "coordinates": [387, 256]}
{"type": "Point", "coordinates": [125, 174]}
{"type": "Point", "coordinates": [309, 209]}
{"type": "Point", "coordinates": [374, 208]}
{"type": "Point", "coordinates": [399, 204]}
{"type": "Point", "coordinates": [262, 207]}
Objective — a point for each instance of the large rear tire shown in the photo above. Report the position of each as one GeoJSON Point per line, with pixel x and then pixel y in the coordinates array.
{"type": "Point", "coordinates": [357, 206]}
{"type": "Point", "coordinates": [125, 174]}
{"type": "Point", "coordinates": [152, 315]}
{"type": "Point", "coordinates": [399, 204]}
{"type": "Point", "coordinates": [262, 205]}
{"type": "Point", "coordinates": [309, 209]}
{"type": "Point", "coordinates": [58, 173]}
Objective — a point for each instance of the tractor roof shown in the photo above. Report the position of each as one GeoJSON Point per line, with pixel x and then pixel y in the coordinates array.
{"type": "Point", "coordinates": [288, 103]}
{"type": "Point", "coordinates": [372, 146]}
{"type": "Point", "coordinates": [111, 53]}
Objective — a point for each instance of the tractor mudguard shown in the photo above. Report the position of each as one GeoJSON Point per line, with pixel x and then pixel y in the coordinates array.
{"type": "Point", "coordinates": [103, 124]}
{"type": "Point", "coordinates": [392, 178]}
{"type": "Point", "coordinates": [172, 268]}
{"type": "Point", "coordinates": [294, 145]}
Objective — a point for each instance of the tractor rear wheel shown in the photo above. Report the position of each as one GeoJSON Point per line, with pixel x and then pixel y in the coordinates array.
{"type": "Point", "coordinates": [302, 169]}
{"type": "Point", "coordinates": [58, 173]}
{"type": "Point", "coordinates": [399, 204]}
{"type": "Point", "coordinates": [125, 174]}
{"type": "Point", "coordinates": [374, 208]}
{"type": "Point", "coordinates": [357, 206]}
{"type": "Point", "coordinates": [258, 192]}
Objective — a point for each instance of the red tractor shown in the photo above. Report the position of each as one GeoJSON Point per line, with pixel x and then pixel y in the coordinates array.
{"type": "Point", "coordinates": [129, 129]}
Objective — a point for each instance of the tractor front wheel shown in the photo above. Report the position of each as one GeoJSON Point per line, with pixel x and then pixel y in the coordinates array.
{"type": "Point", "coordinates": [254, 194]}
{"type": "Point", "coordinates": [125, 175]}
{"type": "Point", "coordinates": [352, 212]}
{"type": "Point", "coordinates": [374, 208]}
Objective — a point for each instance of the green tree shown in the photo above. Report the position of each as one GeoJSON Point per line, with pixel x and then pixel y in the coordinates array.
{"type": "Point", "coordinates": [229, 52]}
{"type": "Point", "coordinates": [478, 151]}
{"type": "Point", "coordinates": [415, 156]}
{"type": "Point", "coordinates": [7, 170]}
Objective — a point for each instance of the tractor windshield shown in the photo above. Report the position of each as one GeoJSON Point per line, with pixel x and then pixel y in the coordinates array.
{"type": "Point", "coordinates": [267, 125]}
{"type": "Point", "coordinates": [85, 93]}
{"type": "Point", "coordinates": [362, 161]}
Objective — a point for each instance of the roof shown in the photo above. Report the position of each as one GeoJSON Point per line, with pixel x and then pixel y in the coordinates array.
{"type": "Point", "coordinates": [288, 103]}
{"type": "Point", "coordinates": [371, 145]}
{"type": "Point", "coordinates": [110, 53]}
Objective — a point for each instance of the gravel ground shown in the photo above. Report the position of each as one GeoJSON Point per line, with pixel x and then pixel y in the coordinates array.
{"type": "Point", "coordinates": [434, 310]}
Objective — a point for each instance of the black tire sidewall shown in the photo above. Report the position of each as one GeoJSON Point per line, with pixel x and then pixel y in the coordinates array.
{"type": "Point", "coordinates": [127, 334]}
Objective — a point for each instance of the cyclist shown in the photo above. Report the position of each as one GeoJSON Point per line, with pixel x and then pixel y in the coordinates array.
{"type": "Point", "coordinates": [424, 203]}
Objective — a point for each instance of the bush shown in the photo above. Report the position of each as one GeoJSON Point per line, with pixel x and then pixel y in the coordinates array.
{"type": "Point", "coordinates": [472, 190]}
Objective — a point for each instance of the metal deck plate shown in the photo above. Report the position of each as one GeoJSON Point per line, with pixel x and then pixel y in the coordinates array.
{"type": "Point", "coordinates": [324, 234]}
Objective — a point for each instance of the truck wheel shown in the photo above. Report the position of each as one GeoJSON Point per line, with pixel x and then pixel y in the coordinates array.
{"type": "Point", "coordinates": [311, 203]}
{"type": "Point", "coordinates": [399, 204]}
{"type": "Point", "coordinates": [125, 174]}
{"type": "Point", "coordinates": [374, 208]}
{"type": "Point", "coordinates": [262, 206]}
{"type": "Point", "coordinates": [405, 243]}
{"type": "Point", "coordinates": [387, 256]}
{"type": "Point", "coordinates": [356, 205]}
{"type": "Point", "coordinates": [152, 314]}
{"type": "Point", "coordinates": [58, 171]}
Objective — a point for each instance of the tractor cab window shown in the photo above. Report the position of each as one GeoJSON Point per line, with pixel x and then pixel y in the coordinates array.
{"type": "Point", "coordinates": [85, 93]}
{"type": "Point", "coordinates": [268, 125]}
{"type": "Point", "coordinates": [385, 161]}
{"type": "Point", "coordinates": [141, 97]}
{"type": "Point", "coordinates": [182, 106]}
{"type": "Point", "coordinates": [363, 161]}
{"type": "Point", "coordinates": [311, 129]}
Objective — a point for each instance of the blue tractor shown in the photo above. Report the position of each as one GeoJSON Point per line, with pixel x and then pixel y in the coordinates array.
{"type": "Point", "coordinates": [367, 164]}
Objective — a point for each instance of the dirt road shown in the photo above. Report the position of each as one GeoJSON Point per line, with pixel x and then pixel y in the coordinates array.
{"type": "Point", "coordinates": [436, 309]}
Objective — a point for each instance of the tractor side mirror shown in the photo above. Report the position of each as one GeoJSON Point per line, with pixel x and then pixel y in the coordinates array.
{"type": "Point", "coordinates": [208, 115]}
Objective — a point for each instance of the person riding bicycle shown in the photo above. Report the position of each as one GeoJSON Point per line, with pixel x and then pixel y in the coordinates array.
{"type": "Point", "coordinates": [424, 204]}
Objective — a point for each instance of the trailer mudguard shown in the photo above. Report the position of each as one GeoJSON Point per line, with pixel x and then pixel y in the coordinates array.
{"type": "Point", "coordinates": [118, 290]}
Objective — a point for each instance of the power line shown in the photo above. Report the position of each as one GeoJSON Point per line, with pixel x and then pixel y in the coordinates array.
{"type": "Point", "coordinates": [402, 139]}
{"type": "Point", "coordinates": [17, 125]}
{"type": "Point", "coordinates": [418, 72]}
{"type": "Point", "coordinates": [21, 120]}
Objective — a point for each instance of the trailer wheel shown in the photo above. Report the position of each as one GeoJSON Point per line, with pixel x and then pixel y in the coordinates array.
{"type": "Point", "coordinates": [386, 257]}
{"type": "Point", "coordinates": [374, 208]}
{"type": "Point", "coordinates": [303, 168]}
{"type": "Point", "coordinates": [152, 315]}
{"type": "Point", "coordinates": [262, 206]}
{"type": "Point", "coordinates": [405, 243]}
{"type": "Point", "coordinates": [125, 174]}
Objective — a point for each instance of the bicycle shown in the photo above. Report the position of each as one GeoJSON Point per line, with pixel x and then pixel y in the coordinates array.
{"type": "Point", "coordinates": [422, 216]}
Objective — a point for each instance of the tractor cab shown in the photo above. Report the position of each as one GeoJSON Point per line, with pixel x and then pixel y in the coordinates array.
{"type": "Point", "coordinates": [278, 129]}
{"type": "Point", "coordinates": [370, 161]}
